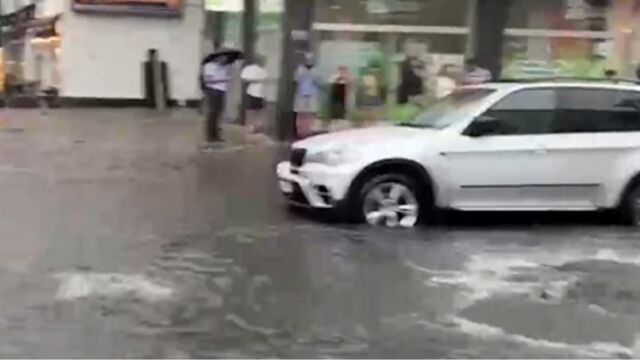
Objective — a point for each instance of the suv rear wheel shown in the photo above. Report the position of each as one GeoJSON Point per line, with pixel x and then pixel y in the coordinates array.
{"type": "Point", "coordinates": [631, 207]}
{"type": "Point", "coordinates": [389, 200]}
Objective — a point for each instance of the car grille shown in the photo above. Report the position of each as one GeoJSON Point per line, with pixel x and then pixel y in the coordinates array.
{"type": "Point", "coordinates": [297, 157]}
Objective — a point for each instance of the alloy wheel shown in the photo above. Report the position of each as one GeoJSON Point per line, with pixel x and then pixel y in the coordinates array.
{"type": "Point", "coordinates": [391, 204]}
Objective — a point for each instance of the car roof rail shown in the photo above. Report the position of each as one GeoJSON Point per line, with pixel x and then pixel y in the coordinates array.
{"type": "Point", "coordinates": [568, 78]}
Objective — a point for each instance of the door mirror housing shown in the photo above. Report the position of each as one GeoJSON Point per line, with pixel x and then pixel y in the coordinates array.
{"type": "Point", "coordinates": [482, 126]}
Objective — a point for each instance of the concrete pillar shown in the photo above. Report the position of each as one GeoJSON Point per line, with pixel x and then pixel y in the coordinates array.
{"type": "Point", "coordinates": [249, 37]}
{"type": "Point", "coordinates": [489, 23]}
{"type": "Point", "coordinates": [471, 24]}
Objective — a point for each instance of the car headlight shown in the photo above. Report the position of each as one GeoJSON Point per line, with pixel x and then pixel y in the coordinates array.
{"type": "Point", "coordinates": [333, 157]}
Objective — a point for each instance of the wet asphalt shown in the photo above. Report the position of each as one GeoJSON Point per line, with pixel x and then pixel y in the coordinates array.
{"type": "Point", "coordinates": [119, 239]}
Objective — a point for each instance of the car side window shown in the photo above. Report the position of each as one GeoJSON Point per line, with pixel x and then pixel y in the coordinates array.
{"type": "Point", "coordinates": [525, 112]}
{"type": "Point", "coordinates": [626, 112]}
{"type": "Point", "coordinates": [585, 110]}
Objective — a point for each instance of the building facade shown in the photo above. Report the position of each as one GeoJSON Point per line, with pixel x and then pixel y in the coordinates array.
{"type": "Point", "coordinates": [99, 54]}
{"type": "Point", "coordinates": [100, 51]}
{"type": "Point", "coordinates": [542, 38]}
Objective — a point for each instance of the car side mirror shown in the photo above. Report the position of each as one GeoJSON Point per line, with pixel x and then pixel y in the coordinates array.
{"type": "Point", "coordinates": [483, 125]}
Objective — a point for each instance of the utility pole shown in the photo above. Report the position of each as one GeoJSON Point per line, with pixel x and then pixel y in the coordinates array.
{"type": "Point", "coordinates": [487, 33]}
{"type": "Point", "coordinates": [297, 26]}
{"type": "Point", "coordinates": [249, 38]}
{"type": "Point", "coordinates": [1, 30]}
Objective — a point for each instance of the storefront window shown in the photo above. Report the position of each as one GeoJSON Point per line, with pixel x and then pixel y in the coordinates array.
{"type": "Point", "coordinates": [549, 38]}
{"type": "Point", "coordinates": [576, 15]}
{"type": "Point", "coordinates": [388, 52]}
{"type": "Point", "coordinates": [394, 12]}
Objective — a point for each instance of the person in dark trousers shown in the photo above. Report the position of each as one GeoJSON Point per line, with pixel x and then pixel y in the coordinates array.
{"type": "Point", "coordinates": [411, 85]}
{"type": "Point", "coordinates": [339, 92]}
{"type": "Point", "coordinates": [215, 81]}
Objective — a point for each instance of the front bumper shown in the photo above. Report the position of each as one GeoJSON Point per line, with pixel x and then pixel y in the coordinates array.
{"type": "Point", "coordinates": [314, 185]}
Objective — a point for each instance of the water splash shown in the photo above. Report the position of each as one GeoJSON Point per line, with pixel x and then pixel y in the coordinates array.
{"type": "Point", "coordinates": [525, 272]}
{"type": "Point", "coordinates": [78, 285]}
{"type": "Point", "coordinates": [492, 334]}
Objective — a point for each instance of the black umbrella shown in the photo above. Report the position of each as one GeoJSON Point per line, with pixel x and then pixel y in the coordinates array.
{"type": "Point", "coordinates": [231, 55]}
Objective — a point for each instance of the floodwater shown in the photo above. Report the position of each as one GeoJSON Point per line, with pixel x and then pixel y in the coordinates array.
{"type": "Point", "coordinates": [120, 240]}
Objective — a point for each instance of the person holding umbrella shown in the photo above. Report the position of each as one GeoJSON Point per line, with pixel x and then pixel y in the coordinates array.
{"type": "Point", "coordinates": [215, 82]}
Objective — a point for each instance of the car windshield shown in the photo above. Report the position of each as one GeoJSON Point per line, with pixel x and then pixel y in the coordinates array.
{"type": "Point", "coordinates": [450, 109]}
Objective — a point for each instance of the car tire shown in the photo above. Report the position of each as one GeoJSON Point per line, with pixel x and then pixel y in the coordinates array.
{"type": "Point", "coordinates": [631, 207]}
{"type": "Point", "coordinates": [390, 200]}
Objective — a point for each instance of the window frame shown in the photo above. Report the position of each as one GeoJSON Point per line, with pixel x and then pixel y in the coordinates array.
{"type": "Point", "coordinates": [556, 109]}
{"type": "Point", "coordinates": [505, 97]}
{"type": "Point", "coordinates": [616, 93]}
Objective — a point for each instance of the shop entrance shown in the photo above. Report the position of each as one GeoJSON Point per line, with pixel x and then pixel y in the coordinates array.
{"type": "Point", "coordinates": [30, 58]}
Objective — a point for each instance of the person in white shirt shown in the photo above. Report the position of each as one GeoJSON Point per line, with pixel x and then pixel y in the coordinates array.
{"type": "Point", "coordinates": [215, 80]}
{"type": "Point", "coordinates": [255, 76]}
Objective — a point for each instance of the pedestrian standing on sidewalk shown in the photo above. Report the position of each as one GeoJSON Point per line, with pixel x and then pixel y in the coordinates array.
{"type": "Point", "coordinates": [306, 98]}
{"type": "Point", "coordinates": [215, 82]}
{"type": "Point", "coordinates": [255, 76]}
{"type": "Point", "coordinates": [371, 95]}
{"type": "Point", "coordinates": [338, 97]}
{"type": "Point", "coordinates": [445, 82]}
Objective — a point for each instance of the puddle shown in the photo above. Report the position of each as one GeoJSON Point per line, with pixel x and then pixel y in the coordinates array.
{"type": "Point", "coordinates": [581, 301]}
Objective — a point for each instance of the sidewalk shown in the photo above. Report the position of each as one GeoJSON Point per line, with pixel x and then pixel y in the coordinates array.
{"type": "Point", "coordinates": [83, 144]}
{"type": "Point", "coordinates": [187, 125]}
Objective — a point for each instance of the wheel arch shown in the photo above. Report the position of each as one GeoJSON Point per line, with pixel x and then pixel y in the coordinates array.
{"type": "Point", "coordinates": [407, 167]}
{"type": "Point", "coordinates": [633, 182]}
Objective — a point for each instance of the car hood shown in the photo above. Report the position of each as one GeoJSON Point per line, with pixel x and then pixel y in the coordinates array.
{"type": "Point", "coordinates": [362, 137]}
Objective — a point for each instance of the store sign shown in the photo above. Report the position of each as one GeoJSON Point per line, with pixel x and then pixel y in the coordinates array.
{"type": "Point", "coordinates": [136, 7]}
{"type": "Point", "coordinates": [18, 18]}
{"type": "Point", "coordinates": [235, 6]}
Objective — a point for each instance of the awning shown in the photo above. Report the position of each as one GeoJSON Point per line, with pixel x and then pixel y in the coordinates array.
{"type": "Point", "coordinates": [42, 27]}
{"type": "Point", "coordinates": [19, 17]}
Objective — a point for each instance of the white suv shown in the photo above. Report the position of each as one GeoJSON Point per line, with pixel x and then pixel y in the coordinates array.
{"type": "Point", "coordinates": [545, 146]}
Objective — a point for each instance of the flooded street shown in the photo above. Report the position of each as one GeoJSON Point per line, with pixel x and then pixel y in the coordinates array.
{"type": "Point", "coordinates": [119, 239]}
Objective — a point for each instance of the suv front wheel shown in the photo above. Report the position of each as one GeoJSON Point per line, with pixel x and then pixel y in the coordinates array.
{"type": "Point", "coordinates": [389, 200]}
